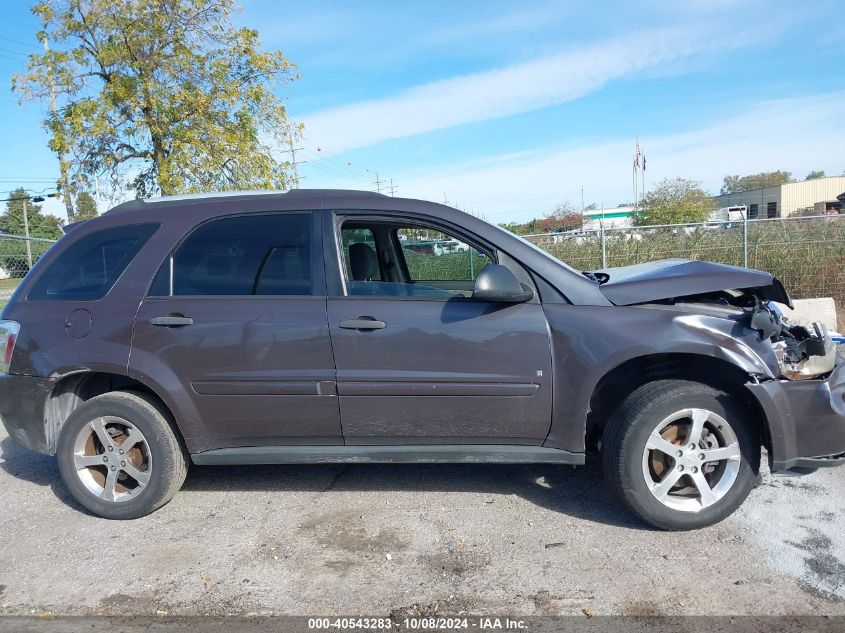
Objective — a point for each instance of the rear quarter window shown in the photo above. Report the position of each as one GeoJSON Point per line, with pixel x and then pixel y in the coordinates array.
{"type": "Point", "coordinates": [88, 269]}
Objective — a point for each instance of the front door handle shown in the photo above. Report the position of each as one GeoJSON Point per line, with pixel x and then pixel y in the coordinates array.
{"type": "Point", "coordinates": [362, 323]}
{"type": "Point", "coordinates": [172, 321]}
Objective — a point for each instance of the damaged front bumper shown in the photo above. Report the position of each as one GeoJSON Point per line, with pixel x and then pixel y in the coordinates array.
{"type": "Point", "coordinates": [806, 420]}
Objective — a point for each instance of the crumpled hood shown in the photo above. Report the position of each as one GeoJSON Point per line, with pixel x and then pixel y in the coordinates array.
{"type": "Point", "coordinates": [676, 278]}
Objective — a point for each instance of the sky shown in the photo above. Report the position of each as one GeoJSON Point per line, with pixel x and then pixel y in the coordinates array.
{"type": "Point", "coordinates": [507, 109]}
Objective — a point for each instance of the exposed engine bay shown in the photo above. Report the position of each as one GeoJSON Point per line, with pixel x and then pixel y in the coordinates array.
{"type": "Point", "coordinates": [802, 352]}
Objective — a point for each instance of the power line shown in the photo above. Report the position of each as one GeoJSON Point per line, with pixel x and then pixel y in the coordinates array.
{"type": "Point", "coordinates": [344, 171]}
{"type": "Point", "coordinates": [25, 179]}
{"type": "Point", "coordinates": [22, 22]}
{"type": "Point", "coordinates": [32, 197]}
{"type": "Point", "coordinates": [14, 41]}
{"type": "Point", "coordinates": [14, 59]}
{"type": "Point", "coordinates": [13, 52]}
{"type": "Point", "coordinates": [334, 170]}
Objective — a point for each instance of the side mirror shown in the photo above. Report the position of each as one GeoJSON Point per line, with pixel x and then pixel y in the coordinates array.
{"type": "Point", "coordinates": [497, 283]}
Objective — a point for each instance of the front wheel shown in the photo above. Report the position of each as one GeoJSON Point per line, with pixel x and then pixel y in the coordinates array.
{"type": "Point", "coordinates": [681, 455]}
{"type": "Point", "coordinates": [119, 456]}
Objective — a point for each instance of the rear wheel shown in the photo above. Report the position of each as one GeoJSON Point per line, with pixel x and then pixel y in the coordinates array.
{"type": "Point", "coordinates": [681, 455]}
{"type": "Point", "coordinates": [119, 457]}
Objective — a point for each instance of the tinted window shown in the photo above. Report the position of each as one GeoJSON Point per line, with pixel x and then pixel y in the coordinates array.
{"type": "Point", "coordinates": [245, 255]}
{"type": "Point", "coordinates": [88, 269]}
{"type": "Point", "coordinates": [357, 235]}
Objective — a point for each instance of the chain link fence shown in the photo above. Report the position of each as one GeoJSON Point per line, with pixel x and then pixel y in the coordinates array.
{"type": "Point", "coordinates": [17, 255]}
{"type": "Point", "coordinates": [806, 253]}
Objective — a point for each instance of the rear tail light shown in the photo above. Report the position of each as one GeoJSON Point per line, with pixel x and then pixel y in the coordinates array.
{"type": "Point", "coordinates": [8, 337]}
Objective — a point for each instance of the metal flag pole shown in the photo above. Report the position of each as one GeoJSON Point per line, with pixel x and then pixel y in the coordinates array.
{"type": "Point", "coordinates": [642, 175]}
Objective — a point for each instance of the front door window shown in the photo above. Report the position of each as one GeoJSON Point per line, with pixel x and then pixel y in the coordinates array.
{"type": "Point", "coordinates": [384, 259]}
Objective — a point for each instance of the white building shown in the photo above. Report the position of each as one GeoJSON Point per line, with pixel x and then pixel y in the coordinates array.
{"type": "Point", "coordinates": [615, 218]}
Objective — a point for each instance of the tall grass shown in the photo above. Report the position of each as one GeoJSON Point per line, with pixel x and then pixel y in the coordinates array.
{"type": "Point", "coordinates": [807, 255]}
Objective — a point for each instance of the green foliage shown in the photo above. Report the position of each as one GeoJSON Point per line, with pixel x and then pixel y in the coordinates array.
{"type": "Point", "coordinates": [456, 266]}
{"type": "Point", "coordinates": [524, 228]}
{"type": "Point", "coordinates": [13, 252]}
{"type": "Point", "coordinates": [815, 175]}
{"type": "Point", "coordinates": [675, 201]}
{"type": "Point", "coordinates": [736, 183]}
{"type": "Point", "coordinates": [160, 95]}
{"type": "Point", "coordinates": [86, 207]}
{"type": "Point", "coordinates": [806, 255]}
{"type": "Point", "coordinates": [40, 225]}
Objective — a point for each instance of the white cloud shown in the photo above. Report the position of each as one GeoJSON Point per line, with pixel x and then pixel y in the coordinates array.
{"type": "Point", "coordinates": [799, 135]}
{"type": "Point", "coordinates": [504, 91]}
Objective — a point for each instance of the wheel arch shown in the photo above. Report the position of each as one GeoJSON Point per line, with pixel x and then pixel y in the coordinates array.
{"type": "Point", "coordinates": [74, 389]}
{"type": "Point", "coordinates": [617, 383]}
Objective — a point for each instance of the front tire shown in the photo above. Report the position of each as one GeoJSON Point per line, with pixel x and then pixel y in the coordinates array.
{"type": "Point", "coordinates": [681, 455]}
{"type": "Point", "coordinates": [119, 456]}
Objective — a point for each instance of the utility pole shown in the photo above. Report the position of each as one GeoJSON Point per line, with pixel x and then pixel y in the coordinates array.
{"type": "Point", "coordinates": [67, 194]}
{"type": "Point", "coordinates": [378, 183]}
{"type": "Point", "coordinates": [26, 235]}
{"type": "Point", "coordinates": [392, 188]}
{"type": "Point", "coordinates": [294, 162]}
{"type": "Point", "coordinates": [582, 206]}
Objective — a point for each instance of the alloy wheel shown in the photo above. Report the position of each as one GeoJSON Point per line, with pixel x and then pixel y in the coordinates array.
{"type": "Point", "coordinates": [112, 459]}
{"type": "Point", "coordinates": [691, 460]}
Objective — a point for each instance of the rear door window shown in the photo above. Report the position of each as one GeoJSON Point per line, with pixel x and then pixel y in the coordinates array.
{"type": "Point", "coordinates": [268, 254]}
{"type": "Point", "coordinates": [88, 269]}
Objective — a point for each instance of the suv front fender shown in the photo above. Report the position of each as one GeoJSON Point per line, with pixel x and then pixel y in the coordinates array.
{"type": "Point", "coordinates": [589, 342]}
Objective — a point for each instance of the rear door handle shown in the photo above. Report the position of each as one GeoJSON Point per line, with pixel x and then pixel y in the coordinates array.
{"type": "Point", "coordinates": [171, 321]}
{"type": "Point", "coordinates": [362, 323]}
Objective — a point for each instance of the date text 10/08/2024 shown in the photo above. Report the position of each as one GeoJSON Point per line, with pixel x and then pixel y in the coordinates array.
{"type": "Point", "coordinates": [430, 623]}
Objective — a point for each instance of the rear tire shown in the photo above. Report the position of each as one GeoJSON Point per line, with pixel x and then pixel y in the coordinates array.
{"type": "Point", "coordinates": [681, 455]}
{"type": "Point", "coordinates": [119, 457]}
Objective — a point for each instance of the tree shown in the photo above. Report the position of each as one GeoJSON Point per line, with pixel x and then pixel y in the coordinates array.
{"type": "Point", "coordinates": [675, 201]}
{"type": "Point", "coordinates": [815, 175]}
{"type": "Point", "coordinates": [525, 228]}
{"type": "Point", "coordinates": [40, 225]}
{"type": "Point", "coordinates": [563, 218]}
{"type": "Point", "coordinates": [160, 96]}
{"type": "Point", "coordinates": [14, 259]}
{"type": "Point", "coordinates": [86, 207]}
{"type": "Point", "coordinates": [736, 183]}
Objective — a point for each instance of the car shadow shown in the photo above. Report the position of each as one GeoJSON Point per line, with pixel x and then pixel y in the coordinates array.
{"type": "Point", "coordinates": [35, 468]}
{"type": "Point", "coordinates": [576, 492]}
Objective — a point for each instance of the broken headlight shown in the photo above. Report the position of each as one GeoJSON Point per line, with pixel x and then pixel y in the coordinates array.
{"type": "Point", "coordinates": [804, 352]}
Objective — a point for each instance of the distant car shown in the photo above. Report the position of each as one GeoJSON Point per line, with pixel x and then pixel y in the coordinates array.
{"type": "Point", "coordinates": [304, 327]}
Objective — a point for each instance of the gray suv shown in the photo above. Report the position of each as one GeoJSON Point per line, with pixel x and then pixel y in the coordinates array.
{"type": "Point", "coordinates": [344, 326]}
